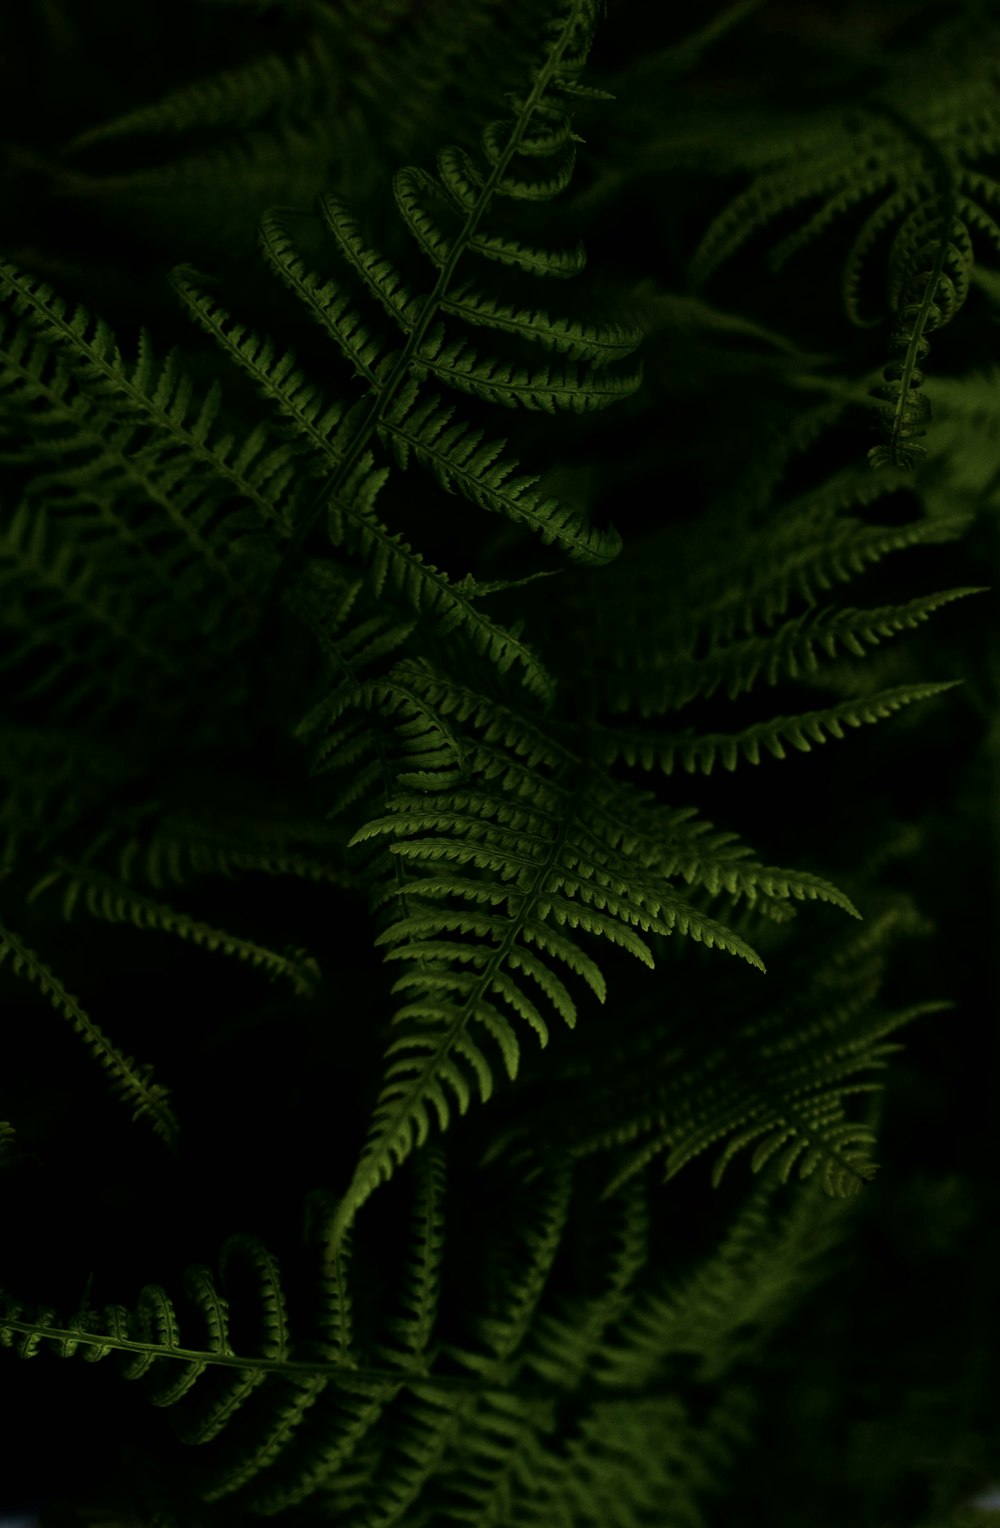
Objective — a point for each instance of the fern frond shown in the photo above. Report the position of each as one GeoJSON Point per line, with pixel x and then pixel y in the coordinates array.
{"type": "Point", "coordinates": [381, 278]}
{"type": "Point", "coordinates": [184, 846]}
{"type": "Point", "coordinates": [387, 371]}
{"type": "Point", "coordinates": [496, 880]}
{"type": "Point", "coordinates": [736, 592]}
{"type": "Point", "coordinates": [56, 601]}
{"type": "Point", "coordinates": [351, 519]}
{"type": "Point", "coordinates": [934, 194]}
{"type": "Point", "coordinates": [564, 1345]}
{"type": "Point", "coordinates": [727, 1309]}
{"type": "Point", "coordinates": [411, 1332]}
{"type": "Point", "coordinates": [693, 752]}
{"type": "Point", "coordinates": [597, 343]}
{"type": "Point", "coordinates": [462, 460]}
{"type": "Point", "coordinates": [147, 1342]}
{"type": "Point", "coordinates": [795, 1058]}
{"type": "Point", "coordinates": [534, 1349]}
{"type": "Point", "coordinates": [801, 1067]}
{"type": "Point", "coordinates": [114, 900]}
{"type": "Point", "coordinates": [521, 1272]}
{"type": "Point", "coordinates": [832, 157]}
{"type": "Point", "coordinates": [846, 157]}
{"type": "Point", "coordinates": [102, 476]}
{"type": "Point", "coordinates": [460, 366]}
{"type": "Point", "coordinates": [160, 394]}
{"type": "Point", "coordinates": [808, 551]}
{"type": "Point", "coordinates": [430, 1424]}
{"type": "Point", "coordinates": [791, 651]}
{"type": "Point", "coordinates": [129, 1080]}
{"type": "Point", "coordinates": [232, 98]}
{"type": "Point", "coordinates": [266, 1399]}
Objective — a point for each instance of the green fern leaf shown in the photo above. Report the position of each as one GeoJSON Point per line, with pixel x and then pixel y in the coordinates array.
{"type": "Point", "coordinates": [565, 1346]}
{"type": "Point", "coordinates": [232, 98]}
{"type": "Point", "coordinates": [130, 1081]}
{"type": "Point", "coordinates": [791, 650]}
{"type": "Point", "coordinates": [108, 898]}
{"type": "Point", "coordinates": [552, 866]}
{"type": "Point", "coordinates": [768, 1254]}
{"type": "Point", "coordinates": [461, 459]}
{"type": "Point", "coordinates": [161, 395]}
{"type": "Point", "coordinates": [412, 1332]}
{"type": "Point", "coordinates": [458, 365]}
{"type": "Point", "coordinates": [596, 343]}
{"type": "Point", "coordinates": [694, 752]}
{"type": "Point", "coordinates": [534, 259]}
{"type": "Point", "coordinates": [522, 1273]}
{"type": "Point", "coordinates": [383, 281]}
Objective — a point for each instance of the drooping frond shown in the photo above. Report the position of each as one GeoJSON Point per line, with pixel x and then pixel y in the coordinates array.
{"type": "Point", "coordinates": [254, 1400]}
{"type": "Point", "coordinates": [233, 98]}
{"type": "Point", "coordinates": [159, 394]}
{"type": "Point", "coordinates": [114, 900]}
{"type": "Point", "coordinates": [775, 736]}
{"type": "Point", "coordinates": [751, 613]}
{"type": "Point", "coordinates": [286, 1419]}
{"type": "Point", "coordinates": [183, 845]}
{"type": "Point", "coordinates": [129, 1079]}
{"type": "Point", "coordinates": [793, 650]}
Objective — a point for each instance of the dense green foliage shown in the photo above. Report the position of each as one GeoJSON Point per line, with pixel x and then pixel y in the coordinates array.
{"type": "Point", "coordinates": [438, 529]}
